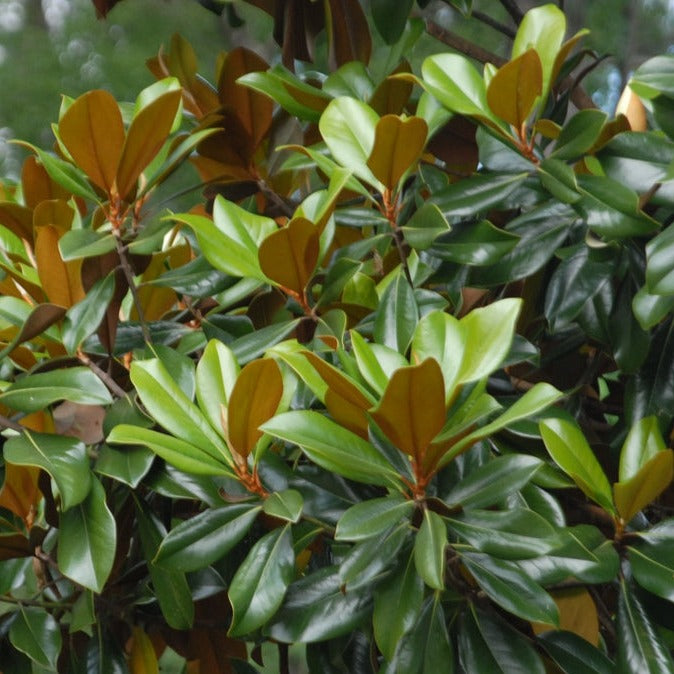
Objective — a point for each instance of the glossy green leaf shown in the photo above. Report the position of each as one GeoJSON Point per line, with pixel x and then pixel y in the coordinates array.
{"type": "Point", "coordinates": [536, 399]}
{"type": "Point", "coordinates": [573, 655]}
{"type": "Point", "coordinates": [516, 533]}
{"type": "Point", "coordinates": [425, 226]}
{"type": "Point", "coordinates": [206, 537]}
{"type": "Point", "coordinates": [488, 644]}
{"type": "Point", "coordinates": [376, 362]}
{"type": "Point", "coordinates": [348, 128]}
{"type": "Point", "coordinates": [37, 634]}
{"type": "Point", "coordinates": [474, 243]}
{"type": "Point", "coordinates": [259, 585]}
{"type": "Point", "coordinates": [285, 505]}
{"type": "Point", "coordinates": [84, 317]}
{"type": "Point", "coordinates": [655, 77]}
{"type": "Point", "coordinates": [652, 565]}
{"type": "Point", "coordinates": [640, 647]}
{"type": "Point", "coordinates": [65, 459]}
{"type": "Point", "coordinates": [170, 587]}
{"type": "Point", "coordinates": [489, 332]}
{"type": "Point", "coordinates": [659, 273]}
{"type": "Point", "coordinates": [426, 644]}
{"type": "Point", "coordinates": [179, 453]}
{"type": "Point", "coordinates": [579, 134]}
{"type": "Point", "coordinates": [650, 309]}
{"type": "Point", "coordinates": [332, 447]}
{"type": "Point", "coordinates": [571, 452]}
{"type": "Point", "coordinates": [477, 194]}
{"type": "Point", "coordinates": [494, 481]}
{"type": "Point", "coordinates": [316, 609]}
{"type": "Point", "coordinates": [128, 465]}
{"type": "Point", "coordinates": [248, 347]}
{"type": "Point", "coordinates": [511, 589]}
{"type": "Point", "coordinates": [455, 82]}
{"type": "Point", "coordinates": [397, 315]}
{"type": "Point", "coordinates": [542, 29]}
{"type": "Point", "coordinates": [35, 392]}
{"type": "Point", "coordinates": [373, 517]}
{"type": "Point", "coordinates": [397, 603]}
{"type": "Point", "coordinates": [166, 402]}
{"type": "Point", "coordinates": [87, 540]}
{"type": "Point", "coordinates": [429, 550]}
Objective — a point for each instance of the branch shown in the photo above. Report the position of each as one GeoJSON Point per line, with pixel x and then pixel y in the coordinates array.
{"type": "Point", "coordinates": [112, 385]}
{"type": "Point", "coordinates": [5, 422]}
{"type": "Point", "coordinates": [493, 23]}
{"type": "Point", "coordinates": [516, 14]}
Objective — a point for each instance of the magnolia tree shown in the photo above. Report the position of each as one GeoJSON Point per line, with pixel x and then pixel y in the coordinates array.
{"type": "Point", "coordinates": [392, 393]}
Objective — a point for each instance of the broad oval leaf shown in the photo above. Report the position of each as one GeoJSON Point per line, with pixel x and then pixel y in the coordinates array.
{"type": "Point", "coordinates": [514, 88]}
{"type": "Point", "coordinates": [398, 144]}
{"type": "Point", "coordinates": [253, 400]}
{"type": "Point", "coordinates": [93, 133]}
{"type": "Point", "coordinates": [289, 255]}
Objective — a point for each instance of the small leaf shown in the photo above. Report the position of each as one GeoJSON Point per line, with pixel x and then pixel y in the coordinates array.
{"type": "Point", "coordinates": [254, 399]}
{"type": "Point", "coordinates": [285, 505]}
{"type": "Point", "coordinates": [398, 144]}
{"type": "Point", "coordinates": [87, 540]}
{"type": "Point", "coordinates": [36, 633]}
{"type": "Point", "coordinates": [514, 88]}
{"type": "Point", "coordinates": [429, 550]}
{"type": "Point", "coordinates": [568, 447]}
{"type": "Point", "coordinates": [259, 584]}
{"type": "Point", "coordinates": [93, 132]}
{"type": "Point", "coordinates": [373, 517]}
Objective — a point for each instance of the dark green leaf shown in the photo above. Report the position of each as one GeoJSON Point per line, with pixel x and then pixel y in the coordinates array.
{"type": "Point", "coordinates": [640, 647]}
{"type": "Point", "coordinates": [573, 655]}
{"type": "Point", "coordinates": [206, 537]}
{"type": "Point", "coordinates": [81, 243]}
{"type": "Point", "coordinates": [316, 609]}
{"type": "Point", "coordinates": [397, 315]}
{"type": "Point", "coordinates": [511, 589]}
{"type": "Point", "coordinates": [87, 540]}
{"type": "Point", "coordinates": [474, 244]}
{"type": "Point", "coordinates": [390, 19]}
{"type": "Point", "coordinates": [286, 505]}
{"type": "Point", "coordinates": [37, 634]}
{"type": "Point", "coordinates": [251, 346]}
{"type": "Point", "coordinates": [579, 134]}
{"type": "Point", "coordinates": [429, 550]}
{"type": "Point", "coordinates": [65, 459]}
{"type": "Point", "coordinates": [653, 566]}
{"type": "Point", "coordinates": [370, 518]}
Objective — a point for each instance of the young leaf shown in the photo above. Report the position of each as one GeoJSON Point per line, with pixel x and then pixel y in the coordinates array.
{"type": "Point", "coordinates": [412, 411]}
{"type": "Point", "coordinates": [514, 88]}
{"type": "Point", "coordinates": [93, 132]}
{"type": "Point", "coordinates": [259, 585]}
{"type": "Point", "coordinates": [253, 400]}
{"type": "Point", "coordinates": [398, 144]}
{"type": "Point", "coordinates": [376, 362]}
{"type": "Point", "coordinates": [568, 447]}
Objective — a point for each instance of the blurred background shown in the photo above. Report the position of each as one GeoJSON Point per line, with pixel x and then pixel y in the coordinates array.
{"type": "Point", "coordinates": [54, 47]}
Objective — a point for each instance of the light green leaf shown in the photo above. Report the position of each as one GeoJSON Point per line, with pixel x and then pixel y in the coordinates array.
{"type": "Point", "coordinates": [376, 362]}
{"type": "Point", "coordinates": [571, 452]}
